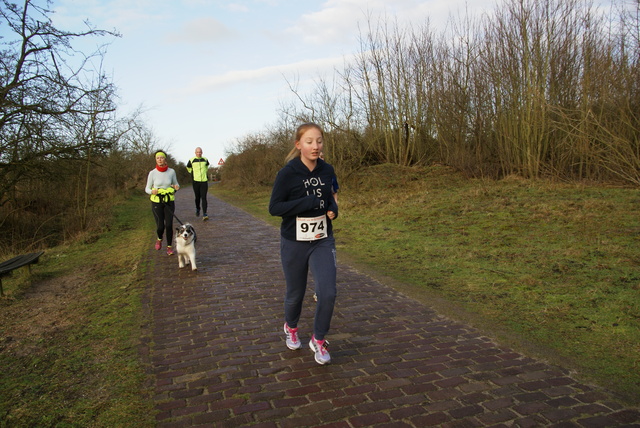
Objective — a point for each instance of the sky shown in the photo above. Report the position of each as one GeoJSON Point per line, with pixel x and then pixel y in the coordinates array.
{"type": "Point", "coordinates": [208, 72]}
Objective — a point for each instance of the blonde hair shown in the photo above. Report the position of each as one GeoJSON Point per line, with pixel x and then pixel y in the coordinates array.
{"type": "Point", "coordinates": [295, 153]}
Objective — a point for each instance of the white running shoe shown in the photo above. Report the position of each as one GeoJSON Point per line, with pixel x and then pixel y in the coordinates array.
{"type": "Point", "coordinates": [320, 350]}
{"type": "Point", "coordinates": [293, 342]}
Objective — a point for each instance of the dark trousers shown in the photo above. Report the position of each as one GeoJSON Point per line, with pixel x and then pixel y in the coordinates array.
{"type": "Point", "coordinates": [297, 258]}
{"type": "Point", "coordinates": [163, 213]}
{"type": "Point", "coordinates": [200, 189]}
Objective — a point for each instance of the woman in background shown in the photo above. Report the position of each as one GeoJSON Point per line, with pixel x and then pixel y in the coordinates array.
{"type": "Point", "coordinates": [162, 184]}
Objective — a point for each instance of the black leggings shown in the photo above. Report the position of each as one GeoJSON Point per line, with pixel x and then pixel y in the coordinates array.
{"type": "Point", "coordinates": [200, 189]}
{"type": "Point", "coordinates": [163, 213]}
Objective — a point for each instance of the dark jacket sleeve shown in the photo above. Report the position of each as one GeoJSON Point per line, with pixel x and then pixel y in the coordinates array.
{"type": "Point", "coordinates": [333, 206]}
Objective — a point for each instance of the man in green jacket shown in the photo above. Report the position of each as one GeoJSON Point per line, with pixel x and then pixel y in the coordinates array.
{"type": "Point", "coordinates": [198, 168]}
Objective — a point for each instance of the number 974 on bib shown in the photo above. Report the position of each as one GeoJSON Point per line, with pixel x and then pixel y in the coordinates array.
{"type": "Point", "coordinates": [311, 228]}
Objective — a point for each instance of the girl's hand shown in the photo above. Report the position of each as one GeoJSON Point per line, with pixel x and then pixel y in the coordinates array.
{"type": "Point", "coordinates": [331, 215]}
{"type": "Point", "coordinates": [154, 191]}
{"type": "Point", "coordinates": [175, 186]}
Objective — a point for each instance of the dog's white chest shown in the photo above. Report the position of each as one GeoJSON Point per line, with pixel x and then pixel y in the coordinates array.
{"type": "Point", "coordinates": [185, 241]}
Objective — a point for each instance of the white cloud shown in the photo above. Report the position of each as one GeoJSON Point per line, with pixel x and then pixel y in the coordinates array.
{"type": "Point", "coordinates": [200, 30]}
{"type": "Point", "coordinates": [336, 21]}
{"type": "Point", "coordinates": [264, 74]}
{"type": "Point", "coordinates": [270, 3]}
{"type": "Point", "coordinates": [237, 7]}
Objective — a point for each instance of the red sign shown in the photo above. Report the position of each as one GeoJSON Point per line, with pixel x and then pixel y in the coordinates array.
{"type": "Point", "coordinates": [220, 162]}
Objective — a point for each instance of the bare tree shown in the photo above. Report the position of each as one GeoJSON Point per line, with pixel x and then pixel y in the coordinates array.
{"type": "Point", "coordinates": [43, 92]}
{"type": "Point", "coordinates": [537, 88]}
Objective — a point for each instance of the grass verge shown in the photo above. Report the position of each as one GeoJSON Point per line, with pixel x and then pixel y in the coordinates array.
{"type": "Point", "coordinates": [547, 268]}
{"type": "Point", "coordinates": [70, 334]}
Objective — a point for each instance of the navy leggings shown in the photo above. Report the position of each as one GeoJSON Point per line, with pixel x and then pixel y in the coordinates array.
{"type": "Point", "coordinates": [163, 213]}
{"type": "Point", "coordinates": [297, 258]}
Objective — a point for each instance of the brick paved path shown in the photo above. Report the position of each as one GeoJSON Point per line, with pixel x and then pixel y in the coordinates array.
{"type": "Point", "coordinates": [218, 356]}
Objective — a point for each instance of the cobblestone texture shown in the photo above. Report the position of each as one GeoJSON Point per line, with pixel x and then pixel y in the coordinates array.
{"type": "Point", "coordinates": [217, 355]}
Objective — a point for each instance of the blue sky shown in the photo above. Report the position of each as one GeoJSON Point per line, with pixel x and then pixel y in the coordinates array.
{"type": "Point", "coordinates": [208, 72]}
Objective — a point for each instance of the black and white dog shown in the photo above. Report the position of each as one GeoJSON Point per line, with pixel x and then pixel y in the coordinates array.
{"type": "Point", "coordinates": [186, 245]}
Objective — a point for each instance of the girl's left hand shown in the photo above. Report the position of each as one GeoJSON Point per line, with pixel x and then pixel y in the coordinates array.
{"type": "Point", "coordinates": [331, 215]}
{"type": "Point", "coordinates": [176, 187]}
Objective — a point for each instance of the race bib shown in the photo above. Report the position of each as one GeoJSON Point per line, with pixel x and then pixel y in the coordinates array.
{"type": "Point", "coordinates": [311, 228]}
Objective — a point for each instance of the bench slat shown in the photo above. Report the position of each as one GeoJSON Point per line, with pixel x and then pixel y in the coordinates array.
{"type": "Point", "coordinates": [19, 261]}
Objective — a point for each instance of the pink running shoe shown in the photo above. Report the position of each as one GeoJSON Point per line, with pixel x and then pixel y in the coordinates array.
{"type": "Point", "coordinates": [293, 342]}
{"type": "Point", "coordinates": [158, 244]}
{"type": "Point", "coordinates": [320, 350]}
{"type": "Point", "coordinates": [169, 250]}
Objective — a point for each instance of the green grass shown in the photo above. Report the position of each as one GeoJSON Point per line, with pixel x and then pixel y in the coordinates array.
{"type": "Point", "coordinates": [548, 268]}
{"type": "Point", "coordinates": [70, 336]}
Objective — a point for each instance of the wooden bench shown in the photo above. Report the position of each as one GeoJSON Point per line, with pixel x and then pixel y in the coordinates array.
{"type": "Point", "coordinates": [17, 262]}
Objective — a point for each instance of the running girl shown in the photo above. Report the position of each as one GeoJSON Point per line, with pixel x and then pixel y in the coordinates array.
{"type": "Point", "coordinates": [302, 197]}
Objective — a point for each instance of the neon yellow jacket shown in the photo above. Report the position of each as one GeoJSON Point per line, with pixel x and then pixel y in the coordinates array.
{"type": "Point", "coordinates": [198, 168]}
{"type": "Point", "coordinates": [164, 195]}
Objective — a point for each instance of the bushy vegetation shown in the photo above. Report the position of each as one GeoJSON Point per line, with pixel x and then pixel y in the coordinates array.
{"type": "Point", "coordinates": [537, 89]}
